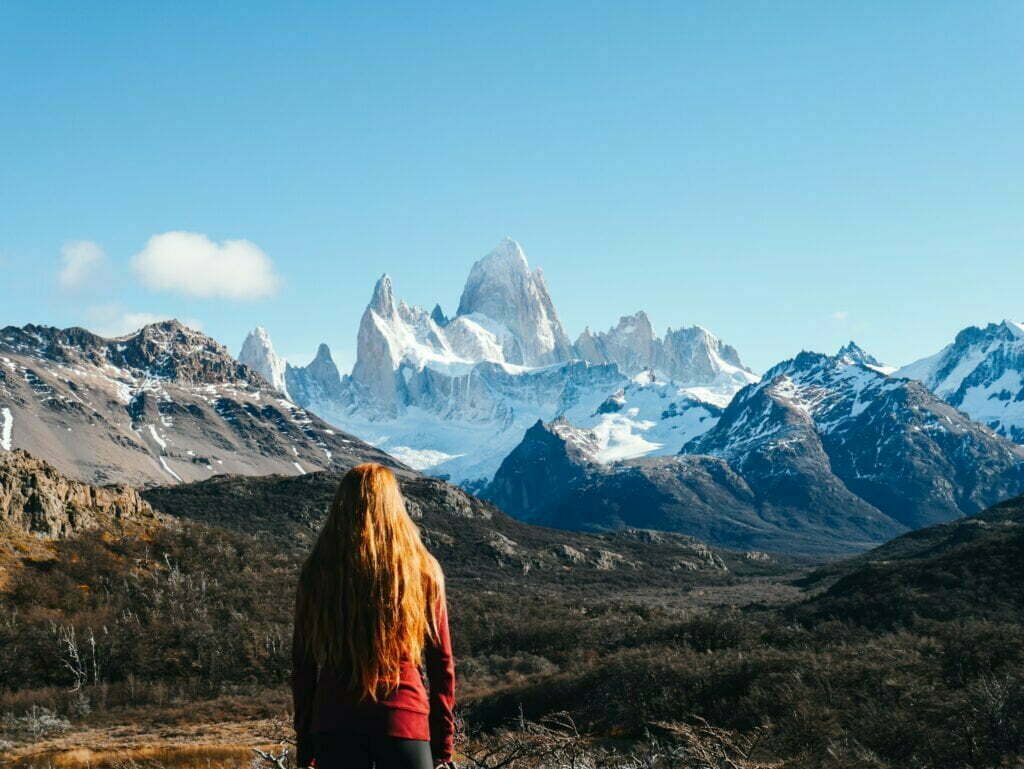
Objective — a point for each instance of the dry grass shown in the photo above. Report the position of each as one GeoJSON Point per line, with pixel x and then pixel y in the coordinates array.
{"type": "Point", "coordinates": [196, 745]}
{"type": "Point", "coordinates": [555, 743]}
{"type": "Point", "coordinates": [16, 546]}
{"type": "Point", "coordinates": [196, 756]}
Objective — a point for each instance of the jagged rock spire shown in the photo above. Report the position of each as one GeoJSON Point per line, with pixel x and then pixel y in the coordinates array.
{"type": "Point", "coordinates": [854, 353]}
{"type": "Point", "coordinates": [383, 300]}
{"type": "Point", "coordinates": [258, 354]}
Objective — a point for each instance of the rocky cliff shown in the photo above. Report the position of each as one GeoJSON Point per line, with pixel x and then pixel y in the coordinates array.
{"type": "Point", "coordinates": [35, 498]}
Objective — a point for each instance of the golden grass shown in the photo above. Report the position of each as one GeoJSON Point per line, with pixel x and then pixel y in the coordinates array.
{"type": "Point", "coordinates": [194, 756]}
{"type": "Point", "coordinates": [213, 738]}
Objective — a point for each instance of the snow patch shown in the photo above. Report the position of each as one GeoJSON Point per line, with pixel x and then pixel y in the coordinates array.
{"type": "Point", "coordinates": [167, 467]}
{"type": "Point", "coordinates": [156, 437]}
{"type": "Point", "coordinates": [6, 428]}
{"type": "Point", "coordinates": [421, 459]}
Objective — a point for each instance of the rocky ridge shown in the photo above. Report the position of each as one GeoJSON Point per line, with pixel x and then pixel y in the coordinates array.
{"type": "Point", "coordinates": [470, 536]}
{"type": "Point", "coordinates": [710, 368]}
{"type": "Point", "coordinates": [166, 404]}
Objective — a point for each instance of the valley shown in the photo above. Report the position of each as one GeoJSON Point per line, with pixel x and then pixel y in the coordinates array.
{"type": "Point", "coordinates": [182, 627]}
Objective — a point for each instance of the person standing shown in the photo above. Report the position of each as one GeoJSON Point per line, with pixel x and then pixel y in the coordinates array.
{"type": "Point", "coordinates": [370, 611]}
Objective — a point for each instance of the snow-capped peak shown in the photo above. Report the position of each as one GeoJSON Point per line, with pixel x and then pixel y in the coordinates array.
{"type": "Point", "coordinates": [258, 354]}
{"type": "Point", "coordinates": [504, 270]}
{"type": "Point", "coordinates": [383, 300]}
{"type": "Point", "coordinates": [982, 374]}
{"type": "Point", "coordinates": [1015, 328]}
{"type": "Point", "coordinates": [502, 287]}
{"type": "Point", "coordinates": [637, 325]}
{"type": "Point", "coordinates": [853, 353]}
{"type": "Point", "coordinates": [508, 254]}
{"type": "Point", "coordinates": [696, 355]}
{"type": "Point", "coordinates": [812, 389]}
{"type": "Point", "coordinates": [261, 335]}
{"type": "Point", "coordinates": [630, 344]}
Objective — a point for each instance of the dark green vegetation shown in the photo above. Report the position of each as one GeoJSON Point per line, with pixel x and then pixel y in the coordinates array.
{"type": "Point", "coordinates": [973, 567]}
{"type": "Point", "coordinates": [472, 538]}
{"type": "Point", "coordinates": [929, 672]}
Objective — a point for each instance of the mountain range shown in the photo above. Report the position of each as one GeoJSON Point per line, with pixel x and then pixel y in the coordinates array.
{"type": "Point", "coordinates": [453, 395]}
{"type": "Point", "coordinates": [621, 428]}
{"type": "Point", "coordinates": [825, 454]}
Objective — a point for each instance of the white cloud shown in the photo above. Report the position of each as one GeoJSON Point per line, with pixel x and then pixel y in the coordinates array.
{"type": "Point", "coordinates": [81, 262]}
{"type": "Point", "coordinates": [111, 320]}
{"type": "Point", "coordinates": [190, 263]}
{"type": "Point", "coordinates": [840, 315]}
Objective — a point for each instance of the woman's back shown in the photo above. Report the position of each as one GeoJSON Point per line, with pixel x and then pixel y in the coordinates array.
{"type": "Point", "coordinates": [370, 609]}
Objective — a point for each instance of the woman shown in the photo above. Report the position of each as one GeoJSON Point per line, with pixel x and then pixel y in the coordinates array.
{"type": "Point", "coordinates": [370, 609]}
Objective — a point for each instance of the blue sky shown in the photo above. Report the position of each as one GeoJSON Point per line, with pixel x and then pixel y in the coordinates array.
{"type": "Point", "coordinates": [789, 175]}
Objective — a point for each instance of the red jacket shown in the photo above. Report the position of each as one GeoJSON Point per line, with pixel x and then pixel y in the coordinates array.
{"type": "Point", "coordinates": [323, 702]}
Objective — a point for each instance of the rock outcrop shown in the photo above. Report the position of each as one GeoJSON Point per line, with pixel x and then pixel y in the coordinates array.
{"type": "Point", "coordinates": [36, 499]}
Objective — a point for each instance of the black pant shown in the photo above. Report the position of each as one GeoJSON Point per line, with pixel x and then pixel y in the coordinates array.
{"type": "Point", "coordinates": [340, 750]}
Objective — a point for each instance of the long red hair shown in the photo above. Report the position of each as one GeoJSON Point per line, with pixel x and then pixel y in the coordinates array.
{"type": "Point", "coordinates": [369, 591]}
